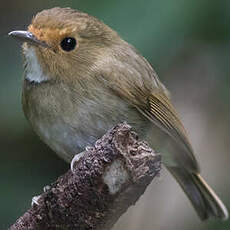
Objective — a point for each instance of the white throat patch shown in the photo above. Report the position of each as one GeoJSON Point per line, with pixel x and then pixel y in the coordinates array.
{"type": "Point", "coordinates": [33, 70]}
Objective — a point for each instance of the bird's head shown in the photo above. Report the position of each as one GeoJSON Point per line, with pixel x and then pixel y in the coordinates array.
{"type": "Point", "coordinates": [62, 43]}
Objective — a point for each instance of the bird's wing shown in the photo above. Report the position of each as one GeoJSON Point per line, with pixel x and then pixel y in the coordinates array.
{"type": "Point", "coordinates": [160, 111]}
{"type": "Point", "coordinates": [135, 81]}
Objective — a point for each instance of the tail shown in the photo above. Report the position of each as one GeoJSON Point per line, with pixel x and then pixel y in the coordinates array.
{"type": "Point", "coordinates": [206, 203]}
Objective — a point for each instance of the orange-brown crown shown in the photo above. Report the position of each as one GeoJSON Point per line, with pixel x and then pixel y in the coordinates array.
{"type": "Point", "coordinates": [52, 24]}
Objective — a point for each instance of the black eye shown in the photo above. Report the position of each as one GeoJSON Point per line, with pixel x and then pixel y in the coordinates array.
{"type": "Point", "coordinates": [68, 43]}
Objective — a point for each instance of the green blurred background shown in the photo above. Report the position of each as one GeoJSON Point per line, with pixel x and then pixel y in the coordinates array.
{"type": "Point", "coordinates": [188, 43]}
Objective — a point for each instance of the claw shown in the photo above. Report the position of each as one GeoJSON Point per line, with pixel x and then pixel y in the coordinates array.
{"type": "Point", "coordinates": [75, 160]}
{"type": "Point", "coordinates": [35, 200]}
{"type": "Point", "coordinates": [46, 188]}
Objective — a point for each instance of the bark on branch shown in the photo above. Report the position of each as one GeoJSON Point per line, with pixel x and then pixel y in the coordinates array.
{"type": "Point", "coordinates": [107, 179]}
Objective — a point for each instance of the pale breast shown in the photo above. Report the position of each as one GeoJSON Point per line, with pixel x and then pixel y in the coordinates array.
{"type": "Point", "coordinates": [68, 123]}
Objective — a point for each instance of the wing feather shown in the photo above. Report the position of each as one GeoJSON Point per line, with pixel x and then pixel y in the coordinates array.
{"type": "Point", "coordinates": [161, 112]}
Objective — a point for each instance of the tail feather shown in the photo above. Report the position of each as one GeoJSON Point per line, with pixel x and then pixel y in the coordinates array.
{"type": "Point", "coordinates": [218, 208]}
{"type": "Point", "coordinates": [206, 203]}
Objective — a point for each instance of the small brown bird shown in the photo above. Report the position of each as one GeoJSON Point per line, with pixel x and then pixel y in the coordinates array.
{"type": "Point", "coordinates": [81, 79]}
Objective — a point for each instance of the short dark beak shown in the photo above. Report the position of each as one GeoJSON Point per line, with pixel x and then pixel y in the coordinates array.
{"type": "Point", "coordinates": [26, 36]}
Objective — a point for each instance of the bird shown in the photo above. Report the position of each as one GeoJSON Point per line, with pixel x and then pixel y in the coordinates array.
{"type": "Point", "coordinates": [81, 79]}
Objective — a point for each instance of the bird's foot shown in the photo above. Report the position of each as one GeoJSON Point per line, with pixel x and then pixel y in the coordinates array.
{"type": "Point", "coordinates": [35, 199]}
{"type": "Point", "coordinates": [75, 160]}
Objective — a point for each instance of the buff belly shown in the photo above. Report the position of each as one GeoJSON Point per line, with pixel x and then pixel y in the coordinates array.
{"type": "Point", "coordinates": [69, 127]}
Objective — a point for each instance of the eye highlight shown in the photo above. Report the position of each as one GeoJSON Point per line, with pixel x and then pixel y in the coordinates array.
{"type": "Point", "coordinates": [68, 44]}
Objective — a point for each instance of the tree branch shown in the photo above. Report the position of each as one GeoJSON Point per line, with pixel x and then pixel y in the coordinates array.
{"type": "Point", "coordinates": [107, 179]}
